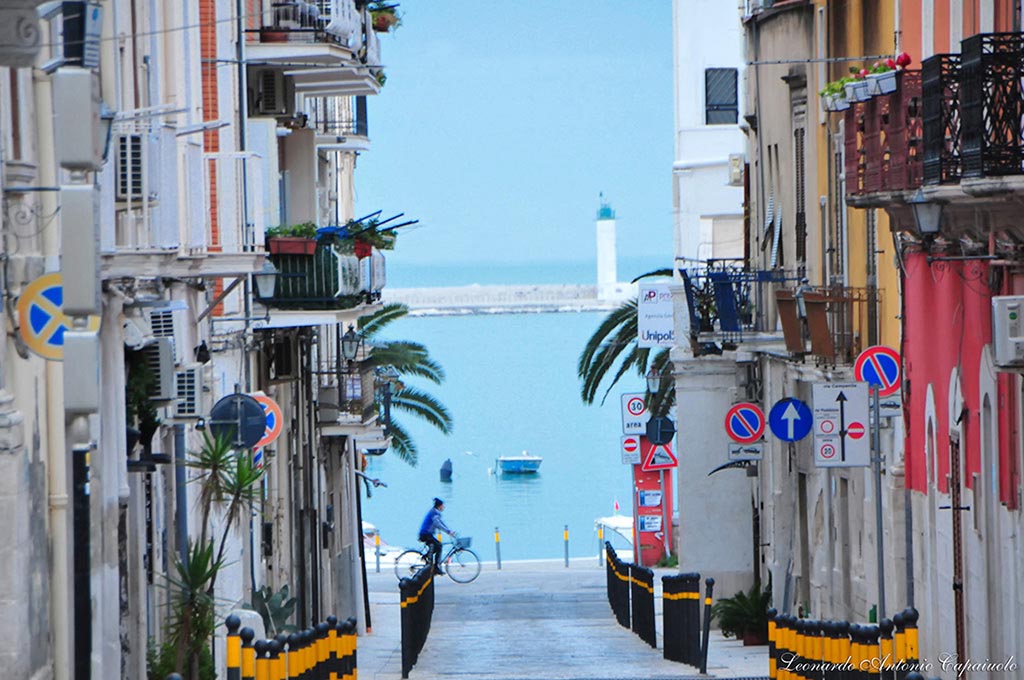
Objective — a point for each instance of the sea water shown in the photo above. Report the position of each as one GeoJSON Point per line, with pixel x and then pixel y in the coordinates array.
{"type": "Point", "coordinates": [511, 386]}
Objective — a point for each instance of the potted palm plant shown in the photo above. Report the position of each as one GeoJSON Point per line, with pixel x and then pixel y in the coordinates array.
{"type": "Point", "coordinates": [745, 615]}
{"type": "Point", "coordinates": [296, 239]}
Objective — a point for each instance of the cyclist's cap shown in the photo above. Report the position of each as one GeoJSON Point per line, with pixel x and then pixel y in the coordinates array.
{"type": "Point", "coordinates": [438, 502]}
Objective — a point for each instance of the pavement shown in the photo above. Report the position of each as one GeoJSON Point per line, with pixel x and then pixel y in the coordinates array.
{"type": "Point", "coordinates": [534, 619]}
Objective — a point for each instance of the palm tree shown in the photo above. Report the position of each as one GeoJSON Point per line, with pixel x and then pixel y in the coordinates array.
{"type": "Point", "coordinates": [615, 341]}
{"type": "Point", "coordinates": [409, 359]}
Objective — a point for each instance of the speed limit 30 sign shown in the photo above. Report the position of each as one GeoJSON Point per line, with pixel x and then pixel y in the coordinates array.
{"type": "Point", "coordinates": [634, 414]}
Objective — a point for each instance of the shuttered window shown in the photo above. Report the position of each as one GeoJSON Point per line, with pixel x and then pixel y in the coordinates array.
{"type": "Point", "coordinates": [721, 99]}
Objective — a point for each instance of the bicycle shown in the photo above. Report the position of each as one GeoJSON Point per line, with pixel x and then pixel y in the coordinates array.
{"type": "Point", "coordinates": [460, 563]}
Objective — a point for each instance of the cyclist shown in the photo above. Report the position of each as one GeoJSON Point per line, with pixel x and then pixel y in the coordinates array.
{"type": "Point", "coordinates": [432, 523]}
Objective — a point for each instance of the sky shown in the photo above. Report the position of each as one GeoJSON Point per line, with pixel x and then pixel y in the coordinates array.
{"type": "Point", "coordinates": [501, 122]}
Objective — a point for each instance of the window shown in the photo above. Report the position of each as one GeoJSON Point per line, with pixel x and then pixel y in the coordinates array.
{"type": "Point", "coordinates": [721, 102]}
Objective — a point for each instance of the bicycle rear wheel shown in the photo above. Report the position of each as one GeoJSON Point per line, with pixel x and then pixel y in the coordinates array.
{"type": "Point", "coordinates": [408, 563]}
{"type": "Point", "coordinates": [463, 566]}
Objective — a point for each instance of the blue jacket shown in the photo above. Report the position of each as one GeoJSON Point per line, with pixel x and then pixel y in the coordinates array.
{"type": "Point", "coordinates": [433, 522]}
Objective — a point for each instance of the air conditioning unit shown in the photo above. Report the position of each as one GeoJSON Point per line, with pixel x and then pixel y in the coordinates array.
{"type": "Point", "coordinates": [271, 95]}
{"type": "Point", "coordinates": [160, 360]}
{"type": "Point", "coordinates": [168, 321]}
{"type": "Point", "coordinates": [135, 164]}
{"type": "Point", "coordinates": [1008, 331]}
{"type": "Point", "coordinates": [188, 389]}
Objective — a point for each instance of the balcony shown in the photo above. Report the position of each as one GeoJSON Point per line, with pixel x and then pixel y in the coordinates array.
{"type": "Point", "coordinates": [326, 48]}
{"type": "Point", "coordinates": [155, 224]}
{"type": "Point", "coordinates": [833, 319]}
{"type": "Point", "coordinates": [347, 398]}
{"type": "Point", "coordinates": [330, 280]}
{"type": "Point", "coordinates": [340, 125]}
{"type": "Point", "coordinates": [723, 304]}
{"type": "Point", "coordinates": [883, 143]}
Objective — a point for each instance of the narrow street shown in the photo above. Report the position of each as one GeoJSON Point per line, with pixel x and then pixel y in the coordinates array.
{"type": "Point", "coordinates": [532, 620]}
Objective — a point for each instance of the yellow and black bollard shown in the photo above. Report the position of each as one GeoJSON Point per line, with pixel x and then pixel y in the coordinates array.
{"type": "Point", "coordinates": [262, 666]}
{"type": "Point", "coordinates": [291, 658]}
{"type": "Point", "coordinates": [856, 652]}
{"type": "Point", "coordinates": [323, 650]}
{"type": "Point", "coordinates": [899, 646]}
{"type": "Point", "coordinates": [910, 617]}
{"type": "Point", "coordinates": [773, 672]}
{"type": "Point", "coordinates": [781, 646]}
{"type": "Point", "coordinates": [248, 654]}
{"type": "Point", "coordinates": [885, 649]}
{"type": "Point", "coordinates": [279, 657]}
{"type": "Point", "coordinates": [350, 636]}
{"type": "Point", "coordinates": [709, 584]}
{"type": "Point", "coordinates": [497, 546]}
{"type": "Point", "coordinates": [872, 647]}
{"type": "Point", "coordinates": [565, 537]}
{"type": "Point", "coordinates": [233, 651]}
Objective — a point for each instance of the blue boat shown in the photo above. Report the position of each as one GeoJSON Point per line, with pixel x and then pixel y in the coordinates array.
{"type": "Point", "coordinates": [524, 463]}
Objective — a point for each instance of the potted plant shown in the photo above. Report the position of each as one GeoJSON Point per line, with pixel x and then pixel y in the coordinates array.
{"type": "Point", "coordinates": [857, 87]}
{"type": "Point", "coordinates": [745, 615]}
{"type": "Point", "coordinates": [833, 96]}
{"type": "Point", "coordinates": [296, 239]}
{"type": "Point", "coordinates": [384, 16]}
{"type": "Point", "coordinates": [359, 238]}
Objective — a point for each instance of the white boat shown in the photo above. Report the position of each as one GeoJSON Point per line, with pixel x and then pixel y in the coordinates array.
{"type": "Point", "coordinates": [370, 544]}
{"type": "Point", "coordinates": [524, 463]}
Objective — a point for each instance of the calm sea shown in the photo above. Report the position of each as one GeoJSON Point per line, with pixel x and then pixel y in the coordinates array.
{"type": "Point", "coordinates": [511, 386]}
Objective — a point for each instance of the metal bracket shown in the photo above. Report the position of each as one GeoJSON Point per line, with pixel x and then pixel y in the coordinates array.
{"type": "Point", "coordinates": [217, 300]}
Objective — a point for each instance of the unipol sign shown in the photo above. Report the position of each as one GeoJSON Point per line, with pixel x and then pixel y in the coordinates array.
{"type": "Point", "coordinates": [654, 316]}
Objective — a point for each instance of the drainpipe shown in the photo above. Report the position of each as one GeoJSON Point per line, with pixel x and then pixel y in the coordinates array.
{"type": "Point", "coordinates": [180, 493]}
{"type": "Point", "coordinates": [57, 461]}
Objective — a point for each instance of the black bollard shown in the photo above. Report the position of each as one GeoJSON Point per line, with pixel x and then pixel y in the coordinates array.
{"type": "Point", "coordinates": [234, 648]}
{"type": "Point", "coordinates": [248, 654]}
{"type": "Point", "coordinates": [710, 583]}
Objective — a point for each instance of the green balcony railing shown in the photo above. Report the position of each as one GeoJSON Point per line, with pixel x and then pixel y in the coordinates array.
{"type": "Point", "coordinates": [328, 279]}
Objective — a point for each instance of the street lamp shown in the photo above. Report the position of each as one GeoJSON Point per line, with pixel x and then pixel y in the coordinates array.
{"type": "Point", "coordinates": [653, 380]}
{"type": "Point", "coordinates": [927, 214]}
{"type": "Point", "coordinates": [387, 376]}
{"type": "Point", "coordinates": [350, 344]}
{"type": "Point", "coordinates": [266, 280]}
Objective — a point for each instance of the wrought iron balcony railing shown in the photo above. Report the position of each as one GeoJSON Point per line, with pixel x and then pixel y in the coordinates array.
{"type": "Point", "coordinates": [834, 319]}
{"type": "Point", "coordinates": [883, 144]}
{"type": "Point", "coordinates": [324, 21]}
{"type": "Point", "coordinates": [327, 279]}
{"type": "Point", "coordinates": [722, 300]}
{"type": "Point", "coordinates": [991, 104]}
{"type": "Point", "coordinates": [941, 111]}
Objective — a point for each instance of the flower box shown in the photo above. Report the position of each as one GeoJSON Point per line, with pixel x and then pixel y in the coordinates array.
{"type": "Point", "coordinates": [291, 245]}
{"type": "Point", "coordinates": [383, 21]}
{"type": "Point", "coordinates": [857, 91]}
{"type": "Point", "coordinates": [882, 83]}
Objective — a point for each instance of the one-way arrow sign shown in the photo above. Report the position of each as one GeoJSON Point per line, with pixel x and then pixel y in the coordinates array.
{"type": "Point", "coordinates": [790, 419]}
{"type": "Point", "coordinates": [840, 414]}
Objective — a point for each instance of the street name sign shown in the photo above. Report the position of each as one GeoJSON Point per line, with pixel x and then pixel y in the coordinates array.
{"type": "Point", "coordinates": [840, 425]}
{"type": "Point", "coordinates": [634, 414]}
{"type": "Point", "coordinates": [746, 451]}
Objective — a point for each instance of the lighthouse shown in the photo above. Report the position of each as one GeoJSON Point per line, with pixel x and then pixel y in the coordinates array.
{"type": "Point", "coordinates": [607, 277]}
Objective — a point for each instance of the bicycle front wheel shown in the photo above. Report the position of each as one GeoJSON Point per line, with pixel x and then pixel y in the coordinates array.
{"type": "Point", "coordinates": [463, 566]}
{"type": "Point", "coordinates": [408, 563]}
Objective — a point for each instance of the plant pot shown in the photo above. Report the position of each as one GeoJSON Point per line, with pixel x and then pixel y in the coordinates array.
{"type": "Point", "coordinates": [828, 102]}
{"type": "Point", "coordinates": [272, 36]}
{"type": "Point", "coordinates": [363, 249]}
{"type": "Point", "coordinates": [882, 83]}
{"type": "Point", "coordinates": [291, 245]}
{"type": "Point", "coordinates": [383, 21]}
{"type": "Point", "coordinates": [752, 639]}
{"type": "Point", "coordinates": [841, 103]}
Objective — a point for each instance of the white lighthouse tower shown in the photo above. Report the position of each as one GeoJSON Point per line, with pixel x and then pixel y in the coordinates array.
{"type": "Point", "coordinates": [607, 276]}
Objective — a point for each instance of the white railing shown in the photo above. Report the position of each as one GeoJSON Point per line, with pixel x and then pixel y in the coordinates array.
{"type": "Point", "coordinates": [236, 216]}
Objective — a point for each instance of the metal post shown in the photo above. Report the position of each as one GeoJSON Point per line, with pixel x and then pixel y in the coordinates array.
{"type": "Point", "coordinates": [710, 583]}
{"type": "Point", "coordinates": [497, 546]}
{"type": "Point", "coordinates": [665, 519]}
{"type": "Point", "coordinates": [565, 535]}
{"type": "Point", "coordinates": [876, 444]}
{"type": "Point", "coordinates": [600, 546]}
{"type": "Point", "coordinates": [376, 546]}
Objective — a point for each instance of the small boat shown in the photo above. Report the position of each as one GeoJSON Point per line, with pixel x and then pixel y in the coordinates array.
{"type": "Point", "coordinates": [617, 530]}
{"type": "Point", "coordinates": [524, 463]}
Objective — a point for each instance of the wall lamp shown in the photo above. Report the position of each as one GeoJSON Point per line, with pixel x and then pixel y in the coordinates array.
{"type": "Point", "coordinates": [927, 214]}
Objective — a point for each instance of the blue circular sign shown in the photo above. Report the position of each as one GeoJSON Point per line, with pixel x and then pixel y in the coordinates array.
{"type": "Point", "coordinates": [790, 419]}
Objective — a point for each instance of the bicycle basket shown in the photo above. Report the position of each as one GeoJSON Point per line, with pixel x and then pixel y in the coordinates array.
{"type": "Point", "coordinates": [463, 541]}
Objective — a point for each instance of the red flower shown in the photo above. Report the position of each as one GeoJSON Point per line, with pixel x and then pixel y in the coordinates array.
{"type": "Point", "coordinates": [863, 73]}
{"type": "Point", "coordinates": [903, 60]}
{"type": "Point", "coordinates": [890, 62]}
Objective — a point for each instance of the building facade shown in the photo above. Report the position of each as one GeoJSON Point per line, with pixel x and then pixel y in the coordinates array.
{"type": "Point", "coordinates": [225, 119]}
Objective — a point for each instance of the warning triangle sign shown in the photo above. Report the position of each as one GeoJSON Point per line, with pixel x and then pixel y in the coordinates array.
{"type": "Point", "coordinates": [657, 456]}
